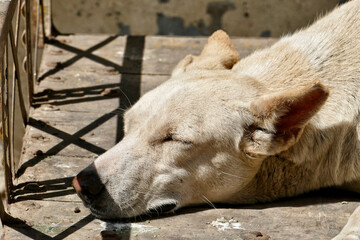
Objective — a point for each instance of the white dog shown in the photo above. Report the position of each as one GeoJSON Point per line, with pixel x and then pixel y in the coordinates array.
{"type": "Point", "coordinates": [278, 123]}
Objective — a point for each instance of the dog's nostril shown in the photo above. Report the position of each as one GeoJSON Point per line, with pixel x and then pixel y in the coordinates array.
{"type": "Point", "coordinates": [92, 188]}
{"type": "Point", "coordinates": [162, 209]}
{"type": "Point", "coordinates": [87, 190]}
{"type": "Point", "coordinates": [87, 184]}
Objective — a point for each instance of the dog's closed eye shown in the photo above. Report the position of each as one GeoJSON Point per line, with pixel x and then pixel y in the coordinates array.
{"type": "Point", "coordinates": [174, 138]}
{"type": "Point", "coordinates": [167, 138]}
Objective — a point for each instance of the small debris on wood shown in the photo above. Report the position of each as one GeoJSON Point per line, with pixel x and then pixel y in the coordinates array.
{"type": "Point", "coordinates": [39, 153]}
{"type": "Point", "coordinates": [39, 136]}
{"type": "Point", "coordinates": [223, 224]}
{"type": "Point", "coordinates": [35, 205]}
{"type": "Point", "coordinates": [344, 202]}
{"type": "Point", "coordinates": [55, 78]}
{"type": "Point", "coordinates": [110, 91]}
{"type": "Point", "coordinates": [56, 51]}
{"type": "Point", "coordinates": [50, 108]}
{"type": "Point", "coordinates": [64, 40]}
{"type": "Point", "coordinates": [255, 235]}
{"type": "Point", "coordinates": [106, 91]}
{"type": "Point", "coordinates": [111, 70]}
{"type": "Point", "coordinates": [36, 135]}
{"type": "Point", "coordinates": [57, 65]}
{"type": "Point", "coordinates": [77, 210]}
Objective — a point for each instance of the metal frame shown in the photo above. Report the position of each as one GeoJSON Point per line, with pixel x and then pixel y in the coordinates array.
{"type": "Point", "coordinates": [13, 78]}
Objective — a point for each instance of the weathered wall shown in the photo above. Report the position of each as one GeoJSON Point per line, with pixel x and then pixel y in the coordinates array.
{"type": "Point", "coordinates": [187, 17]}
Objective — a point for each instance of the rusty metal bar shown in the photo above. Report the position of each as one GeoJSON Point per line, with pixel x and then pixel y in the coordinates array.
{"type": "Point", "coordinates": [16, 74]}
{"type": "Point", "coordinates": [14, 40]}
{"type": "Point", "coordinates": [37, 28]}
{"type": "Point", "coordinates": [29, 69]}
{"type": "Point", "coordinates": [12, 125]}
{"type": "Point", "coordinates": [7, 9]}
{"type": "Point", "coordinates": [5, 122]}
{"type": "Point", "coordinates": [43, 22]}
{"type": "Point", "coordinates": [3, 137]}
{"type": "Point", "coordinates": [6, 130]}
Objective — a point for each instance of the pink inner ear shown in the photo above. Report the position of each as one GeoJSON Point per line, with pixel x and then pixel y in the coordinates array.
{"type": "Point", "coordinates": [302, 108]}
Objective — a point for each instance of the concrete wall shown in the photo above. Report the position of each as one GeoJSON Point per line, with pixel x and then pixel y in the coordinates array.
{"type": "Point", "coordinates": [187, 17]}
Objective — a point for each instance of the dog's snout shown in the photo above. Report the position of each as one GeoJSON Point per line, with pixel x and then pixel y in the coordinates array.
{"type": "Point", "coordinates": [87, 184]}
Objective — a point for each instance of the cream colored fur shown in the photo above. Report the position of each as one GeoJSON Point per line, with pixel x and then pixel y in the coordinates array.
{"type": "Point", "coordinates": [278, 123]}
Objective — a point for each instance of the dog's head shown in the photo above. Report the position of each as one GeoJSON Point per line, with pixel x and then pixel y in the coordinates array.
{"type": "Point", "coordinates": [199, 137]}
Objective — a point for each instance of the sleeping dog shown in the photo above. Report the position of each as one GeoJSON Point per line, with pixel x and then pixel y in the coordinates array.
{"type": "Point", "coordinates": [281, 122]}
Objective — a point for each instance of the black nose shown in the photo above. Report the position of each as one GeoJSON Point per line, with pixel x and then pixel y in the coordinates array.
{"type": "Point", "coordinates": [87, 184]}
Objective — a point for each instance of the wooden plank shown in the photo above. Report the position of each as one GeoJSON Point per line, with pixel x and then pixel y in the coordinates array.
{"type": "Point", "coordinates": [310, 218]}
{"type": "Point", "coordinates": [77, 116]}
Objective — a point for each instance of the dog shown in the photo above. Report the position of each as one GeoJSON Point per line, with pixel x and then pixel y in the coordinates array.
{"type": "Point", "coordinates": [278, 123]}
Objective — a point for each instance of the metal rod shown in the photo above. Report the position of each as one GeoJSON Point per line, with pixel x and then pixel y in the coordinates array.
{"type": "Point", "coordinates": [16, 76]}
{"type": "Point", "coordinates": [12, 105]}
{"type": "Point", "coordinates": [14, 46]}
{"type": "Point", "coordinates": [8, 133]}
{"type": "Point", "coordinates": [43, 20]}
{"type": "Point", "coordinates": [5, 122]}
{"type": "Point", "coordinates": [36, 40]}
{"type": "Point", "coordinates": [3, 133]}
{"type": "Point", "coordinates": [17, 24]}
{"type": "Point", "coordinates": [28, 50]}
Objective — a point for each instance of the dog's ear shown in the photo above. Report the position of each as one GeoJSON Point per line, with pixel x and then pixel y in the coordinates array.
{"type": "Point", "coordinates": [218, 53]}
{"type": "Point", "coordinates": [281, 118]}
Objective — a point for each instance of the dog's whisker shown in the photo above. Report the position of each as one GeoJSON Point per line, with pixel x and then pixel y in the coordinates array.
{"type": "Point", "coordinates": [208, 201]}
{"type": "Point", "coordinates": [122, 109]}
{"type": "Point", "coordinates": [133, 210]}
{"type": "Point", "coordinates": [130, 105]}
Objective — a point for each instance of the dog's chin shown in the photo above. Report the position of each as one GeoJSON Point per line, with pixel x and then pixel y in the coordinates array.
{"type": "Point", "coordinates": [102, 214]}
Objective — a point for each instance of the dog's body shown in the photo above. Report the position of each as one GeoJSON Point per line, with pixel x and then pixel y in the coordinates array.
{"type": "Point", "coordinates": [278, 123]}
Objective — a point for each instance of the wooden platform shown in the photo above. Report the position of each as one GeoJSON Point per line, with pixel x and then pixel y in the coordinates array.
{"type": "Point", "coordinates": [79, 104]}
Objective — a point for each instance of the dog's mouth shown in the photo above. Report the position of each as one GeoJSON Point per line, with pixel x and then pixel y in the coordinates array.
{"type": "Point", "coordinates": [152, 212]}
{"type": "Point", "coordinates": [164, 208]}
{"type": "Point", "coordinates": [156, 211]}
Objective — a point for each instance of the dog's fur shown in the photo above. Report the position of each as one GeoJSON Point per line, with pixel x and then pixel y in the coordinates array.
{"type": "Point", "coordinates": [278, 123]}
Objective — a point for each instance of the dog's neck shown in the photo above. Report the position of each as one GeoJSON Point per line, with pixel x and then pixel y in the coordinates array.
{"type": "Point", "coordinates": [327, 153]}
{"type": "Point", "coordinates": [321, 158]}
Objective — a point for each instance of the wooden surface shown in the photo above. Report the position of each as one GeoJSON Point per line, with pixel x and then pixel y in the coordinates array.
{"type": "Point", "coordinates": [79, 104]}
